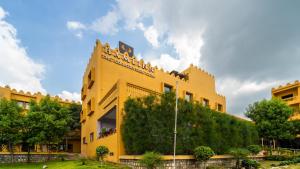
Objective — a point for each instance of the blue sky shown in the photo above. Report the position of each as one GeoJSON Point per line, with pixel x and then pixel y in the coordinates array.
{"type": "Point", "coordinates": [249, 46]}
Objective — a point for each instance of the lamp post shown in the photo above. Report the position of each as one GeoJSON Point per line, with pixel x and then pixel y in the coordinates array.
{"type": "Point", "coordinates": [175, 128]}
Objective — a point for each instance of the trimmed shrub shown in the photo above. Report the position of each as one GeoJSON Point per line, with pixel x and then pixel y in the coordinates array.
{"type": "Point", "coordinates": [151, 160]}
{"type": "Point", "coordinates": [101, 152]}
{"type": "Point", "coordinates": [203, 153]}
{"type": "Point", "coordinates": [278, 158]}
{"type": "Point", "coordinates": [254, 149]}
{"type": "Point", "coordinates": [250, 164]}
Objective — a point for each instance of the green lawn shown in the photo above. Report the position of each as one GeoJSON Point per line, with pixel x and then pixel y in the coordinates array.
{"type": "Point", "coordinates": [267, 165]}
{"type": "Point", "coordinates": [63, 165]}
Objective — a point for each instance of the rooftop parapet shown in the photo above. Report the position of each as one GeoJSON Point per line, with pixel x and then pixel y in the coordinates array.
{"type": "Point", "coordinates": [287, 85]}
{"type": "Point", "coordinates": [34, 95]}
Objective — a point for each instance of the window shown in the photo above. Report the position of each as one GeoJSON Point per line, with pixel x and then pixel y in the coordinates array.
{"type": "Point", "coordinates": [206, 102]}
{"type": "Point", "coordinates": [91, 78]}
{"type": "Point", "coordinates": [107, 123]}
{"type": "Point", "coordinates": [219, 107]}
{"type": "Point", "coordinates": [167, 88]}
{"type": "Point", "coordinates": [23, 104]}
{"type": "Point", "coordinates": [188, 96]}
{"type": "Point", "coordinates": [84, 140]}
{"type": "Point", "coordinates": [91, 136]}
{"type": "Point", "coordinates": [289, 96]}
{"type": "Point", "coordinates": [90, 107]}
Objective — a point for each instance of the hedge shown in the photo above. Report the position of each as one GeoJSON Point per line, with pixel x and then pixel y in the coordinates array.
{"type": "Point", "coordinates": [148, 125]}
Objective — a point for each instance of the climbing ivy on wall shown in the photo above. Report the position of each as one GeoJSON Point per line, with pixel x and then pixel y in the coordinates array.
{"type": "Point", "coordinates": [149, 126]}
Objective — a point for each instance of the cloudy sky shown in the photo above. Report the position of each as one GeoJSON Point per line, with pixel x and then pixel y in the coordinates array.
{"type": "Point", "coordinates": [250, 46]}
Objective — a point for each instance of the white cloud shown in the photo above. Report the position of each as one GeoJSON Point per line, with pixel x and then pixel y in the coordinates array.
{"type": "Point", "coordinates": [75, 25]}
{"type": "Point", "coordinates": [70, 96]}
{"type": "Point", "coordinates": [150, 34]}
{"type": "Point", "coordinates": [235, 87]}
{"type": "Point", "coordinates": [106, 24]}
{"type": "Point", "coordinates": [17, 69]}
{"type": "Point", "coordinates": [166, 61]}
{"type": "Point", "coordinates": [239, 94]}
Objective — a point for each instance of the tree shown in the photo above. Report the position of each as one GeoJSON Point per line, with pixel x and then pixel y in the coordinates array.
{"type": "Point", "coordinates": [101, 152]}
{"type": "Point", "coordinates": [10, 124]}
{"type": "Point", "coordinates": [271, 119]}
{"type": "Point", "coordinates": [151, 160]}
{"type": "Point", "coordinates": [53, 123]}
{"type": "Point", "coordinates": [33, 127]}
{"type": "Point", "coordinates": [254, 149]}
{"type": "Point", "coordinates": [203, 154]}
{"type": "Point", "coordinates": [239, 154]}
{"type": "Point", "coordinates": [75, 110]}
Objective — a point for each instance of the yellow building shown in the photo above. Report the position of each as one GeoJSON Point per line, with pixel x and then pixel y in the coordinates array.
{"type": "Point", "coordinates": [23, 99]}
{"type": "Point", "coordinates": [113, 75]}
{"type": "Point", "coordinates": [290, 93]}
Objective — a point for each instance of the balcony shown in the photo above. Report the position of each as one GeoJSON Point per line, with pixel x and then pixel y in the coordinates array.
{"type": "Point", "coordinates": [292, 100]}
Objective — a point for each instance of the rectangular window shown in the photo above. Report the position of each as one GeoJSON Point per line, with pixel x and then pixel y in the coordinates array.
{"type": "Point", "coordinates": [188, 96]}
{"type": "Point", "coordinates": [206, 102]}
{"type": "Point", "coordinates": [107, 123]}
{"type": "Point", "coordinates": [91, 136]}
{"type": "Point", "coordinates": [23, 104]}
{"type": "Point", "coordinates": [167, 88]}
{"type": "Point", "coordinates": [89, 106]}
{"type": "Point", "coordinates": [219, 107]}
{"type": "Point", "coordinates": [84, 140]}
{"type": "Point", "coordinates": [289, 96]}
{"type": "Point", "coordinates": [91, 78]}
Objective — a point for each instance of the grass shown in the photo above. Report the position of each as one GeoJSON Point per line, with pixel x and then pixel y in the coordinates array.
{"type": "Point", "coordinates": [63, 165]}
{"type": "Point", "coordinates": [267, 165]}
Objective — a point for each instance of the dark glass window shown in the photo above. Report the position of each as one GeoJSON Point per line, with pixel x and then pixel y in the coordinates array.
{"type": "Point", "coordinates": [167, 88]}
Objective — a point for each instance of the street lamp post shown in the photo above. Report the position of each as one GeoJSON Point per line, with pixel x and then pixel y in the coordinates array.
{"type": "Point", "coordinates": [175, 128]}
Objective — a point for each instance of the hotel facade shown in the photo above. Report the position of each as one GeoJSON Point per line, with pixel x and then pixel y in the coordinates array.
{"type": "Point", "coordinates": [289, 93]}
{"type": "Point", "coordinates": [114, 75]}
{"type": "Point", "coordinates": [71, 142]}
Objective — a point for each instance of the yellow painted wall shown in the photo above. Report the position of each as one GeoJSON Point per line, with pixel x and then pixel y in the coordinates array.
{"type": "Point", "coordinates": [114, 77]}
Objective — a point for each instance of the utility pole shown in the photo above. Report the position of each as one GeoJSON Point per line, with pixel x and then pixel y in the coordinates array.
{"type": "Point", "coordinates": [175, 128]}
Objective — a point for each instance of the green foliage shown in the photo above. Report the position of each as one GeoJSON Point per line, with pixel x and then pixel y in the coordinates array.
{"type": "Point", "coordinates": [289, 162]}
{"type": "Point", "coordinates": [83, 160]}
{"type": "Point", "coordinates": [278, 158]}
{"type": "Point", "coordinates": [151, 160]}
{"type": "Point", "coordinates": [250, 164]}
{"type": "Point", "coordinates": [271, 119]}
{"type": "Point", "coordinates": [203, 153]}
{"type": "Point", "coordinates": [49, 120]}
{"type": "Point", "coordinates": [75, 110]}
{"type": "Point", "coordinates": [254, 149]}
{"type": "Point", "coordinates": [149, 126]}
{"type": "Point", "coordinates": [101, 152]}
{"type": "Point", "coordinates": [239, 154]}
{"type": "Point", "coordinates": [11, 123]}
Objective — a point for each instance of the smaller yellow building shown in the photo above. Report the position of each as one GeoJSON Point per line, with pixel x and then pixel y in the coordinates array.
{"type": "Point", "coordinates": [72, 143]}
{"type": "Point", "coordinates": [290, 93]}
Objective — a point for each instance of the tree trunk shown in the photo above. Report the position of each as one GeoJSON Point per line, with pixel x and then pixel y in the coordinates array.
{"type": "Point", "coordinates": [48, 147]}
{"type": "Point", "coordinates": [28, 153]}
{"type": "Point", "coordinates": [10, 147]}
